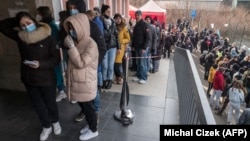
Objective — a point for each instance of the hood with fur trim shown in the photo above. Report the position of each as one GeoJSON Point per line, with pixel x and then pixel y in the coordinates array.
{"type": "Point", "coordinates": [42, 32]}
{"type": "Point", "coordinates": [81, 25]}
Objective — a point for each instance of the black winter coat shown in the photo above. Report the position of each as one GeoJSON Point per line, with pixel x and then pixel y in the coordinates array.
{"type": "Point", "coordinates": [96, 35]}
{"type": "Point", "coordinates": [141, 35]}
{"type": "Point", "coordinates": [110, 35]}
{"type": "Point", "coordinates": [37, 45]}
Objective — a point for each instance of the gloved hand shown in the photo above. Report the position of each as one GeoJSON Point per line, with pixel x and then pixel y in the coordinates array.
{"type": "Point", "coordinates": [69, 42]}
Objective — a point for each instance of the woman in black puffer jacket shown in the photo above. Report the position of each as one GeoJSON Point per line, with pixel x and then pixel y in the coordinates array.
{"type": "Point", "coordinates": [36, 45]}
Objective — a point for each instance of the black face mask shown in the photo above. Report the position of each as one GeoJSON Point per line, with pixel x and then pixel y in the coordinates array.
{"type": "Point", "coordinates": [106, 16]}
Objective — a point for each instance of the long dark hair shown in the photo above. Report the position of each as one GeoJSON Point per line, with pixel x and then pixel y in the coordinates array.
{"type": "Point", "coordinates": [22, 14]}
{"type": "Point", "coordinates": [46, 14]}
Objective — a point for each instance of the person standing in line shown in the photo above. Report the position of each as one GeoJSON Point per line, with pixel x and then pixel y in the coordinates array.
{"type": "Point", "coordinates": [159, 53]}
{"type": "Point", "coordinates": [141, 42]}
{"type": "Point", "coordinates": [76, 7]}
{"type": "Point", "coordinates": [167, 46]}
{"type": "Point", "coordinates": [112, 46]}
{"type": "Point", "coordinates": [81, 73]}
{"type": "Point", "coordinates": [124, 40]}
{"type": "Point", "coordinates": [45, 15]}
{"type": "Point", "coordinates": [153, 45]}
{"type": "Point", "coordinates": [36, 44]}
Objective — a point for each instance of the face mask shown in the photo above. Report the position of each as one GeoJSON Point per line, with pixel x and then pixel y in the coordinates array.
{"type": "Point", "coordinates": [38, 17]}
{"type": "Point", "coordinates": [30, 27]}
{"type": "Point", "coordinates": [73, 34]}
{"type": "Point", "coordinates": [74, 11]}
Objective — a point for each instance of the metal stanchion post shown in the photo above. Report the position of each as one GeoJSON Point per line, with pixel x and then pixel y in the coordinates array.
{"type": "Point", "coordinates": [124, 115]}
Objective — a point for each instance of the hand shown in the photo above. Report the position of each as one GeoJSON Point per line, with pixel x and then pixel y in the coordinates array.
{"type": "Point", "coordinates": [69, 42]}
{"type": "Point", "coordinates": [119, 51]}
{"type": "Point", "coordinates": [35, 66]}
{"type": "Point", "coordinates": [143, 51]}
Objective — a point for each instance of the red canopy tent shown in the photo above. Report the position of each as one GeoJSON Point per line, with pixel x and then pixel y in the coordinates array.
{"type": "Point", "coordinates": [150, 9]}
{"type": "Point", "coordinates": [132, 11]}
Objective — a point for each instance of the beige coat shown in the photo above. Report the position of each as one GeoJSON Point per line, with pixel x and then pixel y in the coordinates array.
{"type": "Point", "coordinates": [81, 74]}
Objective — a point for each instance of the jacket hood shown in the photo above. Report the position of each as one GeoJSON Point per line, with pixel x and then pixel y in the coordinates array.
{"type": "Point", "coordinates": [42, 32]}
{"type": "Point", "coordinates": [81, 25]}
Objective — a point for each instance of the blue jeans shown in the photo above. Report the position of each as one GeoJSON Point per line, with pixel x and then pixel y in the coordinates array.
{"type": "Point", "coordinates": [99, 75]}
{"type": "Point", "coordinates": [141, 65]}
{"type": "Point", "coordinates": [156, 64]}
{"type": "Point", "coordinates": [97, 98]}
{"type": "Point", "coordinates": [149, 62]}
{"type": "Point", "coordinates": [97, 101]}
{"type": "Point", "coordinates": [59, 78]}
{"type": "Point", "coordinates": [108, 64]}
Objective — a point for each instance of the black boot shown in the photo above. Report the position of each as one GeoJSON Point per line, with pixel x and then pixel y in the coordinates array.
{"type": "Point", "coordinates": [104, 84]}
{"type": "Point", "coordinates": [109, 84]}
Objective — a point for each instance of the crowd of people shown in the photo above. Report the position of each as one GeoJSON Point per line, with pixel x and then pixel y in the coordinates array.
{"type": "Point", "coordinates": [226, 68]}
{"type": "Point", "coordinates": [82, 55]}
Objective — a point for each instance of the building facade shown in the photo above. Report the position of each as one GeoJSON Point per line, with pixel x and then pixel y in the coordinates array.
{"type": "Point", "coordinates": [117, 6]}
{"type": "Point", "coordinates": [9, 54]}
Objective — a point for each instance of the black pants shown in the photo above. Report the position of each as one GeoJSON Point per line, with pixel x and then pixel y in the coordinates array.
{"type": "Point", "coordinates": [118, 70]}
{"type": "Point", "coordinates": [166, 49]}
{"type": "Point", "coordinates": [43, 99]}
{"type": "Point", "coordinates": [224, 106]}
{"type": "Point", "coordinates": [134, 65]}
{"type": "Point", "coordinates": [210, 86]}
{"type": "Point", "coordinates": [89, 110]}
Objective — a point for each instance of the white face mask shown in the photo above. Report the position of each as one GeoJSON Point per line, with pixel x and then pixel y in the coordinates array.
{"type": "Point", "coordinates": [39, 18]}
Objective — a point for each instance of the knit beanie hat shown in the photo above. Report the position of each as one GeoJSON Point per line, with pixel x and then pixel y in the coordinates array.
{"type": "Point", "coordinates": [97, 9]}
{"type": "Point", "coordinates": [138, 12]}
{"type": "Point", "coordinates": [104, 8]}
{"type": "Point", "coordinates": [80, 5]}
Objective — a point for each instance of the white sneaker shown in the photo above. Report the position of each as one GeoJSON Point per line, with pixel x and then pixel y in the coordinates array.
{"type": "Point", "coordinates": [136, 79]}
{"type": "Point", "coordinates": [88, 135]}
{"type": "Point", "coordinates": [73, 102]}
{"type": "Point", "coordinates": [84, 129]}
{"type": "Point", "coordinates": [57, 128]}
{"type": "Point", "coordinates": [61, 95]}
{"type": "Point", "coordinates": [142, 81]}
{"type": "Point", "coordinates": [45, 134]}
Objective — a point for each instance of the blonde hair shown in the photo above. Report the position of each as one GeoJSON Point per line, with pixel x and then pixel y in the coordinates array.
{"type": "Point", "coordinates": [92, 13]}
{"type": "Point", "coordinates": [237, 85]}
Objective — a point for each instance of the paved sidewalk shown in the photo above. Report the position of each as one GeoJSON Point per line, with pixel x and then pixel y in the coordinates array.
{"type": "Point", "coordinates": [154, 103]}
{"type": "Point", "coordinates": [156, 85]}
